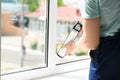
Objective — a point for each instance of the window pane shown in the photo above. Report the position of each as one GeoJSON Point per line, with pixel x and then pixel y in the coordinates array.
{"type": "Point", "coordinates": [67, 16]}
{"type": "Point", "coordinates": [23, 39]}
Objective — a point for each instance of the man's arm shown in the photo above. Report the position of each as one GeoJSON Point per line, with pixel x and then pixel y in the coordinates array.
{"type": "Point", "coordinates": [91, 34]}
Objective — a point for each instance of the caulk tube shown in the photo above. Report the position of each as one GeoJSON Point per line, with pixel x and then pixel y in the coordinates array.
{"type": "Point", "coordinates": [73, 36]}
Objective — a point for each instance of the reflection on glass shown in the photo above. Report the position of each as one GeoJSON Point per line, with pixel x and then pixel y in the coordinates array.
{"type": "Point", "coordinates": [68, 14]}
{"type": "Point", "coordinates": [23, 35]}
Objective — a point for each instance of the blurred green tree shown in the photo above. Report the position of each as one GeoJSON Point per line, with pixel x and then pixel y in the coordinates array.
{"type": "Point", "coordinates": [60, 3]}
{"type": "Point", "coordinates": [32, 4]}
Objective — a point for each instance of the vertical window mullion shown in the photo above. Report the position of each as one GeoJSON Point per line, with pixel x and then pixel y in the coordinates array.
{"type": "Point", "coordinates": [52, 33]}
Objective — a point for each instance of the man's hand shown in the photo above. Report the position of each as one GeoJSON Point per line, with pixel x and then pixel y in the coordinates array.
{"type": "Point", "coordinates": [70, 48]}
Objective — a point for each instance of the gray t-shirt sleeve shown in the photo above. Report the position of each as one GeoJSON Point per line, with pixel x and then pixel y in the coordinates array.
{"type": "Point", "coordinates": [89, 8]}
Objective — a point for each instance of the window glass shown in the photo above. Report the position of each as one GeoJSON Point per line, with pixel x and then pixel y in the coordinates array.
{"type": "Point", "coordinates": [23, 39]}
{"type": "Point", "coordinates": [68, 14]}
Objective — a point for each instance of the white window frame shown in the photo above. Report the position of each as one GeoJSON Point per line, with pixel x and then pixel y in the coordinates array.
{"type": "Point", "coordinates": [32, 74]}
{"type": "Point", "coordinates": [51, 68]}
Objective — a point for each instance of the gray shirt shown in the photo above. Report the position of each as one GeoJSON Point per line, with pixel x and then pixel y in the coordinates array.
{"type": "Point", "coordinates": [107, 10]}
